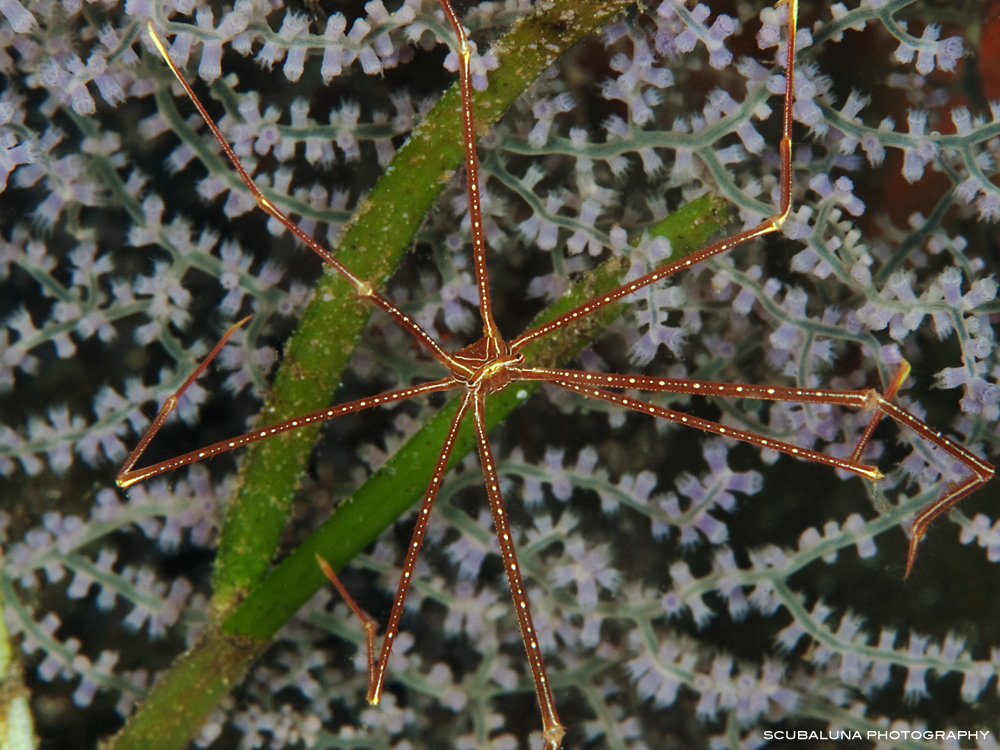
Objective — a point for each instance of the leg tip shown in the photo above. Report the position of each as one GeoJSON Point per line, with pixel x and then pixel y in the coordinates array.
{"type": "Point", "coordinates": [911, 555]}
{"type": "Point", "coordinates": [327, 570]}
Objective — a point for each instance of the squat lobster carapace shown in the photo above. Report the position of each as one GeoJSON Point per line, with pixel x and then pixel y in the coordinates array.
{"type": "Point", "coordinates": [493, 363]}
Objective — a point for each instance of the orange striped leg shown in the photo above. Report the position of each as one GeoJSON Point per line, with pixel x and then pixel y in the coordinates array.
{"type": "Point", "coordinates": [360, 286]}
{"type": "Point", "coordinates": [981, 471]}
{"type": "Point", "coordinates": [862, 470]}
{"type": "Point", "coordinates": [772, 224]}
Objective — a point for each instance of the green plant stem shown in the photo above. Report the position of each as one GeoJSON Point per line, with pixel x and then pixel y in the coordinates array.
{"type": "Point", "coordinates": [184, 696]}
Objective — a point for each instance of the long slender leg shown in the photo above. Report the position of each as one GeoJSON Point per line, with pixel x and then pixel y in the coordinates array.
{"type": "Point", "coordinates": [773, 224]}
{"type": "Point", "coordinates": [124, 475]}
{"type": "Point", "coordinates": [464, 51]}
{"type": "Point", "coordinates": [980, 471]}
{"type": "Point", "coordinates": [362, 287]}
{"type": "Point", "coordinates": [127, 478]}
{"type": "Point", "coordinates": [376, 671]}
{"type": "Point", "coordinates": [861, 399]}
{"type": "Point", "coordinates": [366, 622]}
{"type": "Point", "coordinates": [868, 472]}
{"type": "Point", "coordinates": [552, 729]}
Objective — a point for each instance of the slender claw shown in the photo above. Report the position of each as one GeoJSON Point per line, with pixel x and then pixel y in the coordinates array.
{"type": "Point", "coordinates": [327, 570]}
{"type": "Point", "coordinates": [911, 555]}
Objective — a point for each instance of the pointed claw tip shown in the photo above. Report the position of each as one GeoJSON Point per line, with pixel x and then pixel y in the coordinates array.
{"type": "Point", "coordinates": [911, 554]}
{"type": "Point", "coordinates": [157, 42]}
{"type": "Point", "coordinates": [905, 367]}
{"type": "Point", "coordinates": [324, 566]}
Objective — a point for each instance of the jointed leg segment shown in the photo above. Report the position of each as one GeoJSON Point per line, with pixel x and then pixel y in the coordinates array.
{"type": "Point", "coordinates": [593, 384]}
{"type": "Point", "coordinates": [376, 671]}
{"type": "Point", "coordinates": [361, 287]}
{"type": "Point", "coordinates": [127, 476]}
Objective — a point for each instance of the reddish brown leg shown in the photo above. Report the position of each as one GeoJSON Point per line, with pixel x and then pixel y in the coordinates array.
{"type": "Point", "coordinates": [127, 478]}
{"type": "Point", "coordinates": [871, 400]}
{"type": "Point", "coordinates": [125, 475]}
{"type": "Point", "coordinates": [982, 472]}
{"type": "Point", "coordinates": [552, 729]}
{"type": "Point", "coordinates": [868, 472]}
{"type": "Point", "coordinates": [366, 622]}
{"type": "Point", "coordinates": [376, 671]}
{"type": "Point", "coordinates": [361, 287]}
{"type": "Point", "coordinates": [772, 224]}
